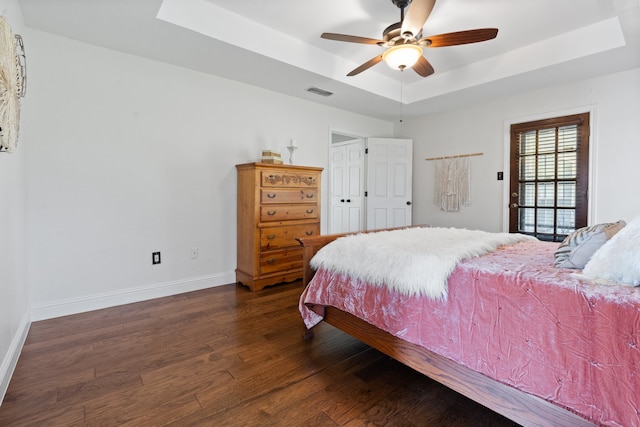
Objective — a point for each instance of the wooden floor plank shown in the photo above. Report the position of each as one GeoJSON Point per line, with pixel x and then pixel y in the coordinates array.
{"type": "Point", "coordinates": [224, 356]}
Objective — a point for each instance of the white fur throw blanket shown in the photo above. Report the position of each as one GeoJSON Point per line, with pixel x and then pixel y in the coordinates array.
{"type": "Point", "coordinates": [412, 260]}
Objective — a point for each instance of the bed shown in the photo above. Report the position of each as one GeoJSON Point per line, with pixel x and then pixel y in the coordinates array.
{"type": "Point", "coordinates": [535, 343]}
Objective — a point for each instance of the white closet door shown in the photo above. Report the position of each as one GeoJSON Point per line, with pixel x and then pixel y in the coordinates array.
{"type": "Point", "coordinates": [389, 182]}
{"type": "Point", "coordinates": [347, 187]}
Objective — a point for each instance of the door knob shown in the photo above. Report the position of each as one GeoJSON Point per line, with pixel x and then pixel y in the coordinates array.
{"type": "Point", "coordinates": [514, 194]}
{"type": "Point", "coordinates": [408, 203]}
{"type": "Point", "coordinates": [342, 200]}
{"type": "Point", "coordinates": [348, 200]}
{"type": "Point", "coordinates": [514, 205]}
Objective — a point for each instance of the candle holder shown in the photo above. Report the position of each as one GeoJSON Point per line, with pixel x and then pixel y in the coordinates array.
{"type": "Point", "coordinates": [291, 147]}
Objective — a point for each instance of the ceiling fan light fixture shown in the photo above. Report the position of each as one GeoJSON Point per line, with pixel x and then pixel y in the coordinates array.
{"type": "Point", "coordinates": [402, 56]}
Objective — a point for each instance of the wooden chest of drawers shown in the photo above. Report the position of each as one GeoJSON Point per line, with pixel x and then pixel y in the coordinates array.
{"type": "Point", "coordinates": [276, 204]}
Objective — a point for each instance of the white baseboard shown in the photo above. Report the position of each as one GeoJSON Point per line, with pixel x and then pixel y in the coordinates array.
{"type": "Point", "coordinates": [126, 296]}
{"type": "Point", "coordinates": [11, 358]}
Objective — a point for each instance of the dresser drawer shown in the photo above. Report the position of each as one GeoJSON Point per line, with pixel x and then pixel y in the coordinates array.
{"type": "Point", "coordinates": [271, 196]}
{"type": "Point", "coordinates": [280, 237]}
{"type": "Point", "coordinates": [287, 259]}
{"type": "Point", "coordinates": [286, 213]}
{"type": "Point", "coordinates": [288, 179]}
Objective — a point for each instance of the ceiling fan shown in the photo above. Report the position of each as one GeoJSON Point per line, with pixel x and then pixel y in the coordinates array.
{"type": "Point", "coordinates": [404, 41]}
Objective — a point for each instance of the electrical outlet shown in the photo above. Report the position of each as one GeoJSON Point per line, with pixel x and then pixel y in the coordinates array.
{"type": "Point", "coordinates": [155, 258]}
{"type": "Point", "coordinates": [194, 253]}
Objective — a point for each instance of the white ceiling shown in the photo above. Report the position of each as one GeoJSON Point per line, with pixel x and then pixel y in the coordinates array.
{"type": "Point", "coordinates": [276, 44]}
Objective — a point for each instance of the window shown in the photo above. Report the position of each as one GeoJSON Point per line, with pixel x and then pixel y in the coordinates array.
{"type": "Point", "coordinates": [549, 176]}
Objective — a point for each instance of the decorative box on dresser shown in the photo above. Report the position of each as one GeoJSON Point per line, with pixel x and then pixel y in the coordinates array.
{"type": "Point", "coordinates": [276, 205]}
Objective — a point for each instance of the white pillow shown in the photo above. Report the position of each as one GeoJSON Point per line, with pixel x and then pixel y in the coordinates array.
{"type": "Point", "coordinates": [618, 260]}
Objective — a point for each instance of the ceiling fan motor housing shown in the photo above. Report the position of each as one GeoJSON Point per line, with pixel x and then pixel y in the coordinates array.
{"type": "Point", "coordinates": [392, 31]}
{"type": "Point", "coordinates": [401, 3]}
{"type": "Point", "coordinates": [392, 35]}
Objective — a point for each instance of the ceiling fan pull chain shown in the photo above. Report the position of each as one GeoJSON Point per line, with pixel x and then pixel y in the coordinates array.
{"type": "Point", "coordinates": [401, 83]}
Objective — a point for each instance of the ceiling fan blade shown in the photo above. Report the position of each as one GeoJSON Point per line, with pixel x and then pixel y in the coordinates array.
{"type": "Point", "coordinates": [352, 39]}
{"type": "Point", "coordinates": [419, 11]}
{"type": "Point", "coordinates": [459, 37]}
{"type": "Point", "coordinates": [370, 63]}
{"type": "Point", "coordinates": [423, 67]}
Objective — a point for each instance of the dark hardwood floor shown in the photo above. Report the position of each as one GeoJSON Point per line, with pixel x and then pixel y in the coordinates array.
{"type": "Point", "coordinates": [223, 356]}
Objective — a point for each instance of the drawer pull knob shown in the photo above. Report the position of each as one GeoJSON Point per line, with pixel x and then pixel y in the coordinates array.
{"type": "Point", "coordinates": [309, 211]}
{"type": "Point", "coordinates": [271, 260]}
{"type": "Point", "coordinates": [271, 213]}
{"type": "Point", "coordinates": [271, 236]}
{"type": "Point", "coordinates": [271, 195]}
{"type": "Point", "coordinates": [308, 233]}
{"type": "Point", "coordinates": [309, 196]}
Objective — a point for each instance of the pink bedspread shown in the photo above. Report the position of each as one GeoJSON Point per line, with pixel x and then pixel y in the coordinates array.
{"type": "Point", "coordinates": [514, 317]}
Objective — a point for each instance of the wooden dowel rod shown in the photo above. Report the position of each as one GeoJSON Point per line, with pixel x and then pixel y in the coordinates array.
{"type": "Point", "coordinates": [454, 157]}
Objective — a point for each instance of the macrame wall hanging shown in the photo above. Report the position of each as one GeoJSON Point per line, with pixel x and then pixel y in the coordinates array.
{"type": "Point", "coordinates": [13, 85]}
{"type": "Point", "coordinates": [452, 182]}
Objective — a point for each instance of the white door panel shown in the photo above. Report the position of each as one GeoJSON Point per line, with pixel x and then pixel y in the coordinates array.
{"type": "Point", "coordinates": [347, 187]}
{"type": "Point", "coordinates": [389, 182]}
{"type": "Point", "coordinates": [338, 168]}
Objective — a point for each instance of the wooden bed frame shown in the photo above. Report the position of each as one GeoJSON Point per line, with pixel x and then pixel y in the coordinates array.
{"type": "Point", "coordinates": [521, 407]}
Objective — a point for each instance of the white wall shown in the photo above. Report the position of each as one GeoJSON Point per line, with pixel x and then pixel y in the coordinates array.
{"type": "Point", "coordinates": [615, 101]}
{"type": "Point", "coordinates": [14, 306]}
{"type": "Point", "coordinates": [128, 156]}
